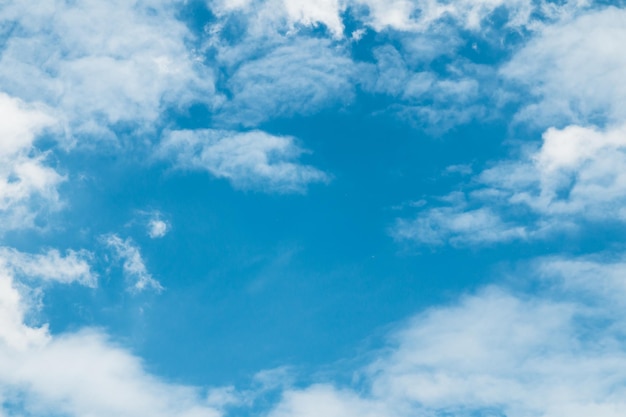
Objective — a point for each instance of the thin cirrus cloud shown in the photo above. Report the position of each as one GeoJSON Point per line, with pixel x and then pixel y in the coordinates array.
{"type": "Point", "coordinates": [249, 160]}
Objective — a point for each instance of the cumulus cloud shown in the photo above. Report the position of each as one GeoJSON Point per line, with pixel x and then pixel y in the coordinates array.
{"type": "Point", "coordinates": [28, 187]}
{"type": "Point", "coordinates": [101, 63]}
{"type": "Point", "coordinates": [399, 15]}
{"type": "Point", "coordinates": [573, 70]}
{"type": "Point", "coordinates": [496, 352]}
{"type": "Point", "coordinates": [578, 173]}
{"type": "Point", "coordinates": [133, 264]}
{"type": "Point", "coordinates": [249, 160]}
{"type": "Point", "coordinates": [77, 374]}
{"type": "Point", "coordinates": [274, 67]}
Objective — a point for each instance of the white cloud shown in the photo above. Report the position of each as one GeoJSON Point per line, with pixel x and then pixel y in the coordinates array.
{"type": "Point", "coordinates": [312, 12]}
{"type": "Point", "coordinates": [273, 69]}
{"type": "Point", "coordinates": [249, 160]}
{"type": "Point", "coordinates": [133, 264]}
{"type": "Point", "coordinates": [101, 63]}
{"type": "Point", "coordinates": [435, 101]}
{"type": "Point", "coordinates": [599, 275]}
{"type": "Point", "coordinates": [494, 353]}
{"type": "Point", "coordinates": [458, 226]}
{"type": "Point", "coordinates": [497, 352]}
{"type": "Point", "coordinates": [78, 374]}
{"type": "Point", "coordinates": [400, 15]}
{"type": "Point", "coordinates": [27, 186]}
{"type": "Point", "coordinates": [578, 173]}
{"type": "Point", "coordinates": [51, 265]}
{"type": "Point", "coordinates": [574, 70]}
{"type": "Point", "coordinates": [430, 15]}
{"type": "Point", "coordinates": [270, 15]}
{"type": "Point", "coordinates": [157, 228]}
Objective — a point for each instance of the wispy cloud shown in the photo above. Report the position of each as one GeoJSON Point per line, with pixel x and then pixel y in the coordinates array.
{"type": "Point", "coordinates": [249, 160]}
{"type": "Point", "coordinates": [133, 264]}
{"type": "Point", "coordinates": [298, 76]}
{"type": "Point", "coordinates": [75, 266]}
{"type": "Point", "coordinates": [576, 174]}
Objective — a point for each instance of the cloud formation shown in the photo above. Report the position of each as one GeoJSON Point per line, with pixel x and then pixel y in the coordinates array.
{"type": "Point", "coordinates": [249, 160]}
{"type": "Point", "coordinates": [68, 72]}
{"type": "Point", "coordinates": [157, 228]}
{"type": "Point", "coordinates": [76, 374]}
{"type": "Point", "coordinates": [51, 265]}
{"type": "Point", "coordinates": [28, 186]}
{"type": "Point", "coordinates": [133, 265]}
{"type": "Point", "coordinates": [497, 352]}
{"type": "Point", "coordinates": [573, 70]}
{"type": "Point", "coordinates": [101, 63]}
{"type": "Point", "coordinates": [577, 174]}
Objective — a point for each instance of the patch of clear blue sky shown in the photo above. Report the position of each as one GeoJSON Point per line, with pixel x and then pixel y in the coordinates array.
{"type": "Point", "coordinates": [255, 281]}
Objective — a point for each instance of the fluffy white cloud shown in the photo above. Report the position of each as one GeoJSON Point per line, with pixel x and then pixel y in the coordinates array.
{"type": "Point", "coordinates": [273, 69]}
{"type": "Point", "coordinates": [312, 12]}
{"type": "Point", "coordinates": [399, 15]}
{"type": "Point", "coordinates": [157, 228]}
{"type": "Point", "coordinates": [574, 70]}
{"type": "Point", "coordinates": [100, 63]}
{"type": "Point", "coordinates": [249, 160]}
{"type": "Point", "coordinates": [28, 186]}
{"type": "Point", "coordinates": [271, 15]}
{"type": "Point", "coordinates": [578, 173]}
{"type": "Point", "coordinates": [497, 352]}
{"type": "Point", "coordinates": [133, 264]}
{"type": "Point", "coordinates": [77, 374]}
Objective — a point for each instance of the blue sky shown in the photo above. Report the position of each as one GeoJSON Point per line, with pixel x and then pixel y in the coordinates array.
{"type": "Point", "coordinates": [291, 208]}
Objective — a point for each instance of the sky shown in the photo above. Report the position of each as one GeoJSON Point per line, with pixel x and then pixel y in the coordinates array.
{"type": "Point", "coordinates": [302, 208]}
